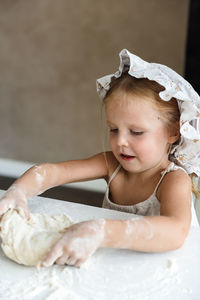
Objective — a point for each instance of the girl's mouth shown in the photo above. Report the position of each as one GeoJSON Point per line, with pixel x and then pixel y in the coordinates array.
{"type": "Point", "coordinates": [127, 157]}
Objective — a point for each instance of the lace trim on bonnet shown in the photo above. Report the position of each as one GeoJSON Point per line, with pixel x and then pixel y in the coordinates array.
{"type": "Point", "coordinates": [187, 152]}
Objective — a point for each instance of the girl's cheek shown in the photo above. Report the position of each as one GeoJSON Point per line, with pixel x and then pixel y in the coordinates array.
{"type": "Point", "coordinates": [113, 143]}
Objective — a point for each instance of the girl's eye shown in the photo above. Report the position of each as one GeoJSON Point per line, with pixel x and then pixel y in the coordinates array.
{"type": "Point", "coordinates": [113, 130]}
{"type": "Point", "coordinates": [137, 132]}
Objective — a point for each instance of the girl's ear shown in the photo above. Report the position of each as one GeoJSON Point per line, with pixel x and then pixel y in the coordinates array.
{"type": "Point", "coordinates": [174, 133]}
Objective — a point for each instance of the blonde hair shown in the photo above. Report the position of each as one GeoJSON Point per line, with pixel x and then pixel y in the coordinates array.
{"type": "Point", "coordinates": [169, 110]}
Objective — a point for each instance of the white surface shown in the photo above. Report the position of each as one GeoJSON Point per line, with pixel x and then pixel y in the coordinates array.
{"type": "Point", "coordinates": [14, 168]}
{"type": "Point", "coordinates": [110, 274]}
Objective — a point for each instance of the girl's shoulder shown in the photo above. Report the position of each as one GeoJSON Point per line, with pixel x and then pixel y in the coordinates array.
{"type": "Point", "coordinates": [111, 161]}
{"type": "Point", "coordinates": [102, 164]}
{"type": "Point", "coordinates": [174, 194]}
{"type": "Point", "coordinates": [175, 182]}
{"type": "Point", "coordinates": [177, 175]}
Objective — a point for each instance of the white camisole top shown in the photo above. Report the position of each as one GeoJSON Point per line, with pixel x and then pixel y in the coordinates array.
{"type": "Point", "coordinates": [148, 207]}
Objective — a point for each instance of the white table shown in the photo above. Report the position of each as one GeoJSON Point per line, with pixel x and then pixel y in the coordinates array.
{"type": "Point", "coordinates": [110, 273]}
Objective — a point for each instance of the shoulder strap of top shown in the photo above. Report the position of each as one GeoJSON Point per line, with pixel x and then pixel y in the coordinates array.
{"type": "Point", "coordinates": [171, 167]}
{"type": "Point", "coordinates": [114, 174]}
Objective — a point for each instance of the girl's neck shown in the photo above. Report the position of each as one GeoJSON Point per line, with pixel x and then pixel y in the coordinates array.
{"type": "Point", "coordinates": [148, 174]}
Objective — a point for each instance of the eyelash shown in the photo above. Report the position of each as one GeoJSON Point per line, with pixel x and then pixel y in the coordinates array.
{"type": "Point", "coordinates": [131, 131]}
{"type": "Point", "coordinates": [137, 132]}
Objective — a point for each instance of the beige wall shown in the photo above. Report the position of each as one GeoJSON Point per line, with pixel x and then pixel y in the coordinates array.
{"type": "Point", "coordinates": [50, 55]}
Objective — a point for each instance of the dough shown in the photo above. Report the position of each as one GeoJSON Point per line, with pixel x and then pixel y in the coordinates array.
{"type": "Point", "coordinates": [28, 241]}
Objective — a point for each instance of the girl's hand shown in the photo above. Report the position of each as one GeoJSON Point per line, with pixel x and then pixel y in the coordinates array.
{"type": "Point", "coordinates": [79, 242]}
{"type": "Point", "coordinates": [14, 198]}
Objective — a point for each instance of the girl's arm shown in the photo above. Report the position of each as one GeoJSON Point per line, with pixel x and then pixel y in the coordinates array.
{"type": "Point", "coordinates": [44, 176]}
{"type": "Point", "coordinates": [149, 234]}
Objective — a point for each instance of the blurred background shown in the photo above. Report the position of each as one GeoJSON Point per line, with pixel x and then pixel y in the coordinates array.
{"type": "Point", "coordinates": [50, 56]}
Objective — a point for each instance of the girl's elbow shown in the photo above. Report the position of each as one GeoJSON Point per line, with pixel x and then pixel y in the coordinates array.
{"type": "Point", "coordinates": [179, 243]}
{"type": "Point", "coordinates": [179, 239]}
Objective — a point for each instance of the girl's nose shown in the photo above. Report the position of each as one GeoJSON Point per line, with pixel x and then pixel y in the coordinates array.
{"type": "Point", "coordinates": [122, 140]}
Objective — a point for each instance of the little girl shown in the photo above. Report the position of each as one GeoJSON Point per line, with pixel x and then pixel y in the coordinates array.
{"type": "Point", "coordinates": [153, 117]}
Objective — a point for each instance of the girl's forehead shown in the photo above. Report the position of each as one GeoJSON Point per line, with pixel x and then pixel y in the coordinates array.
{"type": "Point", "coordinates": [124, 98]}
{"type": "Point", "coordinates": [133, 109]}
{"type": "Point", "coordinates": [130, 103]}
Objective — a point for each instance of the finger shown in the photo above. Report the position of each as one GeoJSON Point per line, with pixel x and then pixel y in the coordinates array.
{"type": "Point", "coordinates": [71, 261]}
{"type": "Point", "coordinates": [62, 260]}
{"type": "Point", "coordinates": [26, 211]}
{"type": "Point", "coordinates": [52, 256]}
{"type": "Point", "coordinates": [4, 208]}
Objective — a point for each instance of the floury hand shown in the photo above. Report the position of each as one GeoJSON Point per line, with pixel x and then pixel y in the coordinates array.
{"type": "Point", "coordinates": [14, 198]}
{"type": "Point", "coordinates": [79, 242]}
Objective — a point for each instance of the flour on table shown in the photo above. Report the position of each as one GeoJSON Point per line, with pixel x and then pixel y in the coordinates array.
{"type": "Point", "coordinates": [28, 241]}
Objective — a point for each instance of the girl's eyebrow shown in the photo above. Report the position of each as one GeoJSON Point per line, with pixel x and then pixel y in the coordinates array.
{"type": "Point", "coordinates": [131, 126]}
{"type": "Point", "coordinates": [107, 121]}
{"type": "Point", "coordinates": [110, 123]}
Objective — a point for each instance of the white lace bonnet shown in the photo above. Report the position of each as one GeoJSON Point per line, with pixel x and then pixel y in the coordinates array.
{"type": "Point", "coordinates": [187, 152]}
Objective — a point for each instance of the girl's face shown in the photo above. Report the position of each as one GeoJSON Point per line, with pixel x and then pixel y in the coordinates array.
{"type": "Point", "coordinates": [138, 137]}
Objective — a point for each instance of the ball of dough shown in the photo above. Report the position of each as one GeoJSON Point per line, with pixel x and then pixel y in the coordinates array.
{"type": "Point", "coordinates": [28, 241]}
